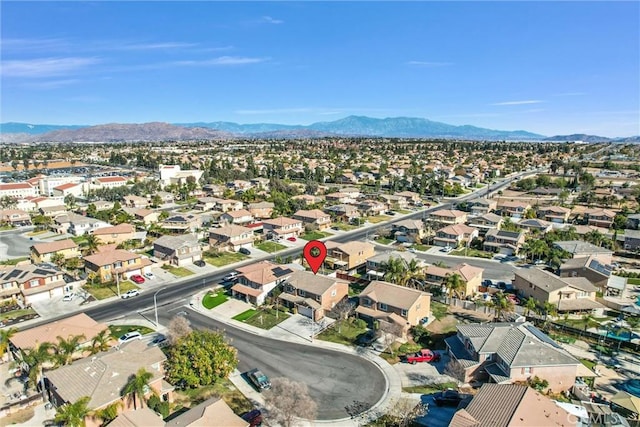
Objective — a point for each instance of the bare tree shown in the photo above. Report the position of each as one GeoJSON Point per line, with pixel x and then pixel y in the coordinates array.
{"type": "Point", "coordinates": [287, 401]}
{"type": "Point", "coordinates": [403, 412]}
{"type": "Point", "coordinates": [390, 333]}
{"type": "Point", "coordinates": [344, 309]}
{"type": "Point", "coordinates": [178, 328]}
{"type": "Point", "coordinates": [455, 370]}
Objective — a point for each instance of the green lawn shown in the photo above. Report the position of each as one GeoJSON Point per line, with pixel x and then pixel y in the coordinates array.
{"type": "Point", "coordinates": [403, 211]}
{"type": "Point", "coordinates": [119, 330]}
{"type": "Point", "coordinates": [580, 323]}
{"type": "Point", "coordinates": [270, 247]}
{"type": "Point", "coordinates": [223, 258]}
{"type": "Point", "coordinates": [14, 314]}
{"type": "Point", "coordinates": [343, 332]}
{"type": "Point", "coordinates": [384, 240]}
{"type": "Point", "coordinates": [244, 315]}
{"type": "Point", "coordinates": [472, 252]}
{"type": "Point", "coordinates": [314, 235]}
{"type": "Point", "coordinates": [264, 318]}
{"type": "Point", "coordinates": [37, 233]}
{"type": "Point", "coordinates": [109, 290]}
{"type": "Point", "coordinates": [377, 218]}
{"type": "Point", "coordinates": [633, 281]}
{"type": "Point", "coordinates": [420, 247]}
{"type": "Point", "coordinates": [438, 309]}
{"type": "Point", "coordinates": [345, 227]}
{"type": "Point", "coordinates": [223, 388]}
{"type": "Point", "coordinates": [355, 289]}
{"type": "Point", "coordinates": [211, 300]}
{"type": "Point", "coordinates": [588, 363]}
{"type": "Point", "coordinates": [177, 271]}
{"type": "Point", "coordinates": [79, 239]}
{"type": "Point", "coordinates": [14, 261]}
{"type": "Point", "coordinates": [430, 388]}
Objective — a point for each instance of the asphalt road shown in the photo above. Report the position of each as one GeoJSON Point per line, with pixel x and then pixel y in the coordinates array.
{"type": "Point", "coordinates": [13, 244]}
{"type": "Point", "coordinates": [335, 379]}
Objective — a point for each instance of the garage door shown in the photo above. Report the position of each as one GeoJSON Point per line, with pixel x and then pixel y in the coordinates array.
{"type": "Point", "coordinates": [305, 311]}
{"type": "Point", "coordinates": [42, 296]}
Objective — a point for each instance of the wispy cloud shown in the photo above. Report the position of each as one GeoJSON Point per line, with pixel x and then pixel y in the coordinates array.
{"type": "Point", "coordinates": [221, 61]}
{"type": "Point", "coordinates": [570, 94]}
{"type": "Point", "coordinates": [270, 20]}
{"type": "Point", "coordinates": [525, 102]}
{"type": "Point", "coordinates": [45, 67]}
{"type": "Point", "coordinates": [429, 64]}
{"type": "Point", "coordinates": [36, 44]}
{"type": "Point", "coordinates": [155, 46]}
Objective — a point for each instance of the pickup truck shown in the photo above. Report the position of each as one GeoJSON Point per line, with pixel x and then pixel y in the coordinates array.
{"type": "Point", "coordinates": [424, 355]}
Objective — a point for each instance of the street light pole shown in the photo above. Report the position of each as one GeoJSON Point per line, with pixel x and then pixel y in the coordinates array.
{"type": "Point", "coordinates": [155, 304]}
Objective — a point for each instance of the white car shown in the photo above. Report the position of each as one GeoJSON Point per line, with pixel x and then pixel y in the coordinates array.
{"type": "Point", "coordinates": [69, 297]}
{"type": "Point", "coordinates": [230, 277]}
{"type": "Point", "coordinates": [130, 294]}
{"type": "Point", "coordinates": [130, 336]}
{"type": "Point", "coordinates": [149, 275]}
{"type": "Point", "coordinates": [446, 249]}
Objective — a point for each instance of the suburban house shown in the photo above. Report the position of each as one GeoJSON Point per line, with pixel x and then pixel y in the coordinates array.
{"type": "Point", "coordinates": [454, 235]}
{"type": "Point", "coordinates": [313, 295]}
{"type": "Point", "coordinates": [555, 214]}
{"type": "Point", "coordinates": [472, 276]}
{"type": "Point", "coordinates": [133, 201]}
{"type": "Point", "coordinates": [14, 217]}
{"type": "Point", "coordinates": [42, 252]}
{"type": "Point", "coordinates": [77, 225]}
{"type": "Point", "coordinates": [391, 304]}
{"type": "Point", "coordinates": [239, 217]}
{"type": "Point", "coordinates": [503, 353]}
{"type": "Point", "coordinates": [448, 216]}
{"type": "Point", "coordinates": [173, 174]}
{"type": "Point", "coordinates": [256, 281]}
{"type": "Point", "coordinates": [568, 294]}
{"type": "Point", "coordinates": [313, 218]}
{"type": "Point", "coordinates": [631, 240]}
{"type": "Point", "coordinates": [395, 201]}
{"type": "Point", "coordinates": [79, 324]}
{"type": "Point", "coordinates": [33, 282]}
{"type": "Point", "coordinates": [376, 263]}
{"type": "Point", "coordinates": [348, 256]}
{"type": "Point", "coordinates": [53, 210]}
{"type": "Point", "coordinates": [371, 207]}
{"type": "Point", "coordinates": [117, 234]}
{"type": "Point", "coordinates": [213, 412]}
{"type": "Point", "coordinates": [206, 203]}
{"type": "Point", "coordinates": [343, 212]}
{"type": "Point", "coordinates": [188, 223]}
{"type": "Point", "coordinates": [590, 268]}
{"type": "Point", "coordinates": [409, 230]}
{"type": "Point", "coordinates": [633, 221]}
{"type": "Point", "coordinates": [513, 209]}
{"type": "Point", "coordinates": [178, 250]}
{"type": "Point", "coordinates": [578, 249]}
{"type": "Point", "coordinates": [599, 217]}
{"type": "Point", "coordinates": [140, 417]}
{"type": "Point", "coordinates": [503, 242]}
{"type": "Point", "coordinates": [103, 377]}
{"type": "Point", "coordinates": [261, 210]}
{"type": "Point", "coordinates": [486, 222]}
{"type": "Point", "coordinates": [116, 264]}
{"type": "Point", "coordinates": [231, 238]}
{"type": "Point", "coordinates": [504, 405]}
{"type": "Point", "coordinates": [413, 198]}
{"type": "Point", "coordinates": [483, 206]}
{"type": "Point", "coordinates": [535, 224]}
{"type": "Point", "coordinates": [226, 205]}
{"type": "Point", "coordinates": [147, 216]}
{"type": "Point", "coordinates": [103, 205]}
{"type": "Point", "coordinates": [340, 198]}
{"type": "Point", "coordinates": [282, 227]}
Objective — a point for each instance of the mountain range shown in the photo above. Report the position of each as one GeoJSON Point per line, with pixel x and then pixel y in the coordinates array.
{"type": "Point", "coordinates": [396, 127]}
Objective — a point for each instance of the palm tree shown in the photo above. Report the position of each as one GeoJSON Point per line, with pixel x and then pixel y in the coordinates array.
{"type": "Point", "coordinates": [5, 338]}
{"type": "Point", "coordinates": [138, 385]}
{"type": "Point", "coordinates": [549, 309]}
{"type": "Point", "coordinates": [454, 284]}
{"type": "Point", "coordinates": [73, 414]}
{"type": "Point", "coordinates": [101, 341]}
{"type": "Point", "coordinates": [529, 305]}
{"type": "Point", "coordinates": [91, 244]}
{"type": "Point", "coordinates": [108, 413]}
{"type": "Point", "coordinates": [501, 304]}
{"type": "Point", "coordinates": [394, 269]}
{"type": "Point", "coordinates": [65, 349]}
{"type": "Point", "coordinates": [33, 359]}
{"type": "Point", "coordinates": [588, 320]}
{"type": "Point", "coordinates": [413, 274]}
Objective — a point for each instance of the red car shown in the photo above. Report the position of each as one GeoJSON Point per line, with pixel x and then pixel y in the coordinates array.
{"type": "Point", "coordinates": [137, 278]}
{"type": "Point", "coordinates": [424, 355]}
{"type": "Point", "coordinates": [291, 239]}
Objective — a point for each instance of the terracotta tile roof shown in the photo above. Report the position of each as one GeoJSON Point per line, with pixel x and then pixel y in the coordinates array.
{"type": "Point", "coordinates": [65, 186]}
{"type": "Point", "coordinates": [15, 186]}
{"type": "Point", "coordinates": [281, 221]}
{"type": "Point", "coordinates": [393, 295]}
{"type": "Point", "coordinates": [449, 213]}
{"type": "Point", "coordinates": [118, 229]}
{"type": "Point", "coordinates": [80, 324]}
{"type": "Point", "coordinates": [111, 179]}
{"type": "Point", "coordinates": [213, 412]}
{"type": "Point", "coordinates": [110, 257]}
{"type": "Point", "coordinates": [58, 245]}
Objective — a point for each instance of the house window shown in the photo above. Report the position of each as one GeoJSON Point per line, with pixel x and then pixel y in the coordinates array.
{"type": "Point", "coordinates": [382, 306]}
{"type": "Point", "coordinates": [318, 298]}
{"type": "Point", "coordinates": [334, 293]}
{"type": "Point", "coordinates": [526, 370]}
{"type": "Point", "coordinates": [404, 313]}
{"type": "Point", "coordinates": [302, 293]}
{"type": "Point", "coordinates": [34, 283]}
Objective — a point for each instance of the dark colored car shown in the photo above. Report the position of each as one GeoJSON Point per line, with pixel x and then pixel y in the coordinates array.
{"type": "Point", "coordinates": [447, 398]}
{"type": "Point", "coordinates": [244, 251]}
{"type": "Point", "coordinates": [199, 263]}
{"type": "Point", "coordinates": [254, 418]}
{"type": "Point", "coordinates": [260, 380]}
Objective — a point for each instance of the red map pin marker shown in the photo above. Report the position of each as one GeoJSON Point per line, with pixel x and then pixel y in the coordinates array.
{"type": "Point", "coordinates": [315, 252]}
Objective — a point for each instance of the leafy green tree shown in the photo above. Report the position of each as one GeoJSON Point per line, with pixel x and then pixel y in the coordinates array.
{"type": "Point", "coordinates": [91, 244]}
{"type": "Point", "coordinates": [65, 348]}
{"type": "Point", "coordinates": [73, 414]}
{"type": "Point", "coordinates": [108, 413]}
{"type": "Point", "coordinates": [5, 338]}
{"type": "Point", "coordinates": [500, 305]}
{"type": "Point", "coordinates": [200, 358]}
{"type": "Point", "coordinates": [529, 306]}
{"type": "Point", "coordinates": [101, 342]}
{"type": "Point", "coordinates": [137, 386]}
{"type": "Point", "coordinates": [455, 285]}
{"type": "Point", "coordinates": [58, 259]}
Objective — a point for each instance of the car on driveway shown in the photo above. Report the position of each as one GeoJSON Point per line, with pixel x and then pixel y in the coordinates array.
{"type": "Point", "coordinates": [244, 251]}
{"type": "Point", "coordinates": [291, 239]}
{"type": "Point", "coordinates": [446, 249]}
{"type": "Point", "coordinates": [137, 278]}
{"type": "Point", "coordinates": [424, 355]}
{"type": "Point", "coordinates": [199, 263]}
{"type": "Point", "coordinates": [253, 417]}
{"type": "Point", "coordinates": [260, 380]}
{"type": "Point", "coordinates": [130, 294]}
{"type": "Point", "coordinates": [231, 277]}
{"type": "Point", "coordinates": [447, 398]}
{"type": "Point", "coordinates": [69, 297]}
{"type": "Point", "coordinates": [130, 336]}
{"type": "Point", "coordinates": [149, 276]}
{"type": "Point", "coordinates": [160, 341]}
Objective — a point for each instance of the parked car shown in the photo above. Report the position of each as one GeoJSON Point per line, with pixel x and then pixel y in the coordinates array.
{"type": "Point", "coordinates": [137, 278]}
{"type": "Point", "coordinates": [391, 213]}
{"type": "Point", "coordinates": [260, 380]}
{"type": "Point", "coordinates": [199, 263]}
{"type": "Point", "coordinates": [244, 251]}
{"type": "Point", "coordinates": [253, 417]}
{"type": "Point", "coordinates": [424, 355]}
{"type": "Point", "coordinates": [149, 276]}
{"type": "Point", "coordinates": [130, 336]}
{"type": "Point", "coordinates": [446, 249]}
{"type": "Point", "coordinates": [367, 338]}
{"type": "Point", "coordinates": [230, 277]}
{"type": "Point", "coordinates": [69, 297]}
{"type": "Point", "coordinates": [160, 341]}
{"type": "Point", "coordinates": [130, 294]}
{"type": "Point", "coordinates": [291, 239]}
{"type": "Point", "coordinates": [447, 398]}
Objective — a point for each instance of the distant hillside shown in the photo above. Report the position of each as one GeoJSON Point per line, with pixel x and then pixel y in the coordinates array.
{"type": "Point", "coordinates": [29, 129]}
{"type": "Point", "coordinates": [579, 137]}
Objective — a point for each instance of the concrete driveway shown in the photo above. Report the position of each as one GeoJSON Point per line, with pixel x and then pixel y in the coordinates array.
{"type": "Point", "coordinates": [299, 326]}
{"type": "Point", "coordinates": [424, 373]}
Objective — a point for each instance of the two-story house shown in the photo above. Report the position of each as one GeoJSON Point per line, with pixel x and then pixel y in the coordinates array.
{"type": "Point", "coordinates": [385, 302]}
{"type": "Point", "coordinates": [483, 206]}
{"type": "Point", "coordinates": [599, 217]}
{"type": "Point", "coordinates": [395, 201]}
{"type": "Point", "coordinates": [133, 201]}
{"type": "Point", "coordinates": [231, 238]}
{"type": "Point", "coordinates": [187, 223]}
{"type": "Point", "coordinates": [349, 256]}
{"type": "Point", "coordinates": [42, 252]}
{"type": "Point", "coordinates": [555, 214]}
{"type": "Point", "coordinates": [312, 295]}
{"type": "Point", "coordinates": [313, 219]}
{"type": "Point", "coordinates": [412, 198]}
{"type": "Point", "coordinates": [147, 216]}
{"type": "Point", "coordinates": [116, 264]}
{"type": "Point", "coordinates": [117, 234]}
{"type": "Point", "coordinates": [77, 225]}
{"type": "Point", "coordinates": [580, 249]}
{"type": "Point", "coordinates": [409, 231]}
{"type": "Point", "coordinates": [241, 217]}
{"type": "Point", "coordinates": [376, 264]}
{"type": "Point", "coordinates": [261, 210]}
{"type": "Point", "coordinates": [257, 281]}
{"type": "Point", "coordinates": [32, 282]}
{"type": "Point", "coordinates": [513, 208]}
{"type": "Point", "coordinates": [504, 353]}
{"type": "Point", "coordinates": [343, 212]}
{"type": "Point", "coordinates": [372, 207]}
{"type": "Point", "coordinates": [470, 275]}
{"type": "Point", "coordinates": [568, 294]}
{"type": "Point", "coordinates": [340, 198]}
{"type": "Point", "coordinates": [448, 216]}
{"type": "Point", "coordinates": [14, 217]}
{"type": "Point", "coordinates": [486, 222]}
{"type": "Point", "coordinates": [454, 235]}
{"type": "Point", "coordinates": [503, 242]}
{"type": "Point", "coordinates": [282, 227]}
{"type": "Point", "coordinates": [178, 250]}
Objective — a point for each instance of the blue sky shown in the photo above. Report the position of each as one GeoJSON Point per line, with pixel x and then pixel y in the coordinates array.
{"type": "Point", "coordinates": [546, 67]}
